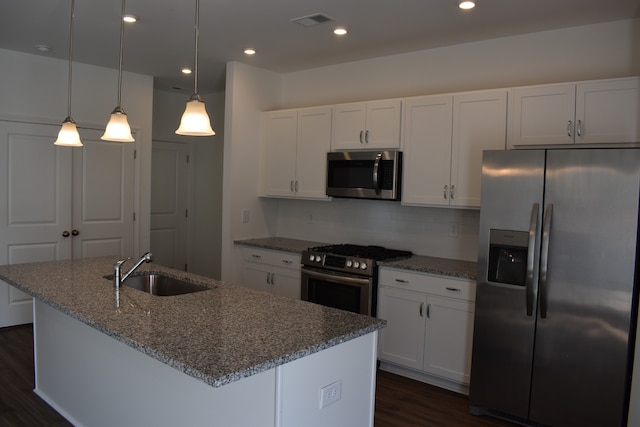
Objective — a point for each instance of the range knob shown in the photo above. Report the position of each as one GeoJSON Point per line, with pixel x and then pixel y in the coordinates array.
{"type": "Point", "coordinates": [363, 266]}
{"type": "Point", "coordinates": [312, 258]}
{"type": "Point", "coordinates": [356, 264]}
{"type": "Point", "coordinates": [349, 263]}
{"type": "Point", "coordinates": [318, 258]}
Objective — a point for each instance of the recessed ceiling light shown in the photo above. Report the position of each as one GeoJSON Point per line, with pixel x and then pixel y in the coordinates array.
{"type": "Point", "coordinates": [43, 48]}
{"type": "Point", "coordinates": [466, 4]}
{"type": "Point", "coordinates": [340, 31]}
{"type": "Point", "coordinates": [249, 51]}
{"type": "Point", "coordinates": [186, 70]}
{"type": "Point", "coordinates": [129, 19]}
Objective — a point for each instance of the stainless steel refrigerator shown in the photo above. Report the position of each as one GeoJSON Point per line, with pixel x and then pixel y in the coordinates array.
{"type": "Point", "coordinates": [556, 303]}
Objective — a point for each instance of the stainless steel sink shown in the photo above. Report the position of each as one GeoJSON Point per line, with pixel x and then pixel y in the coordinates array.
{"type": "Point", "coordinates": [161, 285]}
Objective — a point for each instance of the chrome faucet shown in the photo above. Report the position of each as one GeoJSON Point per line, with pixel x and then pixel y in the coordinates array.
{"type": "Point", "coordinates": [118, 278]}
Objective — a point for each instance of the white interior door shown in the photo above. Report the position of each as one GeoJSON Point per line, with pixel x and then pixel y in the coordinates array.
{"type": "Point", "coordinates": [36, 206]}
{"type": "Point", "coordinates": [169, 198]}
{"type": "Point", "coordinates": [60, 203]}
{"type": "Point", "coordinates": [103, 196]}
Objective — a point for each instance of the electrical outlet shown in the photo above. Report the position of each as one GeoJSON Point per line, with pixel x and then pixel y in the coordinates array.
{"type": "Point", "coordinates": [245, 215]}
{"type": "Point", "coordinates": [330, 393]}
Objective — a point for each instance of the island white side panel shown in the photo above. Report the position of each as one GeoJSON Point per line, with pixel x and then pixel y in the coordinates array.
{"type": "Point", "coordinates": [95, 380]}
{"type": "Point", "coordinates": [300, 383]}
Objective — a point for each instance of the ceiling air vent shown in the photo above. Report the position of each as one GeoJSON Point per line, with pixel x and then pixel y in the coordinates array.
{"type": "Point", "coordinates": [311, 20]}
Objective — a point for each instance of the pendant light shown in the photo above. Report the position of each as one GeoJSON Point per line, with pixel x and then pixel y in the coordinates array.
{"type": "Point", "coordinates": [68, 135]}
{"type": "Point", "coordinates": [195, 121]}
{"type": "Point", "coordinates": [118, 129]}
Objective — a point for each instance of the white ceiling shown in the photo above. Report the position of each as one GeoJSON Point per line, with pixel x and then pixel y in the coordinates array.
{"type": "Point", "coordinates": [162, 41]}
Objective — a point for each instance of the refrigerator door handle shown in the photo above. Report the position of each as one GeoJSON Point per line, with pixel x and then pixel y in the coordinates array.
{"type": "Point", "coordinates": [533, 231]}
{"type": "Point", "coordinates": [544, 259]}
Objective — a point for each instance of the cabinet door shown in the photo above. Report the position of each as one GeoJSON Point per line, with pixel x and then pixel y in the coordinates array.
{"type": "Point", "coordinates": [314, 142]}
{"type": "Point", "coordinates": [256, 276]}
{"type": "Point", "coordinates": [479, 123]}
{"type": "Point", "coordinates": [608, 112]}
{"type": "Point", "coordinates": [427, 150]}
{"type": "Point", "coordinates": [383, 125]}
{"type": "Point", "coordinates": [402, 341]}
{"type": "Point", "coordinates": [286, 282]}
{"type": "Point", "coordinates": [279, 151]}
{"type": "Point", "coordinates": [543, 115]}
{"type": "Point", "coordinates": [449, 338]}
{"type": "Point", "coordinates": [349, 123]}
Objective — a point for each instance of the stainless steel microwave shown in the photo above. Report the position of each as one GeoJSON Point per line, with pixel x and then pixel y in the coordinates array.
{"type": "Point", "coordinates": [364, 174]}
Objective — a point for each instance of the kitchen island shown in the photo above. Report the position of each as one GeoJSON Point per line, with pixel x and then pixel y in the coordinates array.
{"type": "Point", "coordinates": [227, 356]}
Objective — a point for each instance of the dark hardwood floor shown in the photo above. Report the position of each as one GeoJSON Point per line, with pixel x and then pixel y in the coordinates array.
{"type": "Point", "coordinates": [400, 402]}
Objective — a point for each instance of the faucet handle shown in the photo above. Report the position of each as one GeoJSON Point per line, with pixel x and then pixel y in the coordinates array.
{"type": "Point", "coordinates": [122, 261]}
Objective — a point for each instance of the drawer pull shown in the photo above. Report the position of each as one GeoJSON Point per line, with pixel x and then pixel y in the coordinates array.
{"type": "Point", "coordinates": [453, 289]}
{"type": "Point", "coordinates": [256, 256]}
{"type": "Point", "coordinates": [287, 261]}
{"type": "Point", "coordinates": [406, 282]}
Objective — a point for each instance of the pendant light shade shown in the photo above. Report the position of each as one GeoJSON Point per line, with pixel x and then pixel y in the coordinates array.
{"type": "Point", "coordinates": [118, 128]}
{"type": "Point", "coordinates": [68, 135]}
{"type": "Point", "coordinates": [195, 120]}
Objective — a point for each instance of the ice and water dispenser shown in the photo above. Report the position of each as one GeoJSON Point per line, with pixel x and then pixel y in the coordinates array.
{"type": "Point", "coordinates": [508, 256]}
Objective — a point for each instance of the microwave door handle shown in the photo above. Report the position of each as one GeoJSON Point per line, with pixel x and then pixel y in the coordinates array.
{"type": "Point", "coordinates": [533, 232]}
{"type": "Point", "coordinates": [376, 174]}
{"type": "Point", "coordinates": [544, 259]}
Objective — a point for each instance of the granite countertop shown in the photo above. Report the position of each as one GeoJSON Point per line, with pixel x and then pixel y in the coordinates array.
{"type": "Point", "coordinates": [434, 265]}
{"type": "Point", "coordinates": [420, 263]}
{"type": "Point", "coordinates": [217, 336]}
{"type": "Point", "coordinates": [280, 244]}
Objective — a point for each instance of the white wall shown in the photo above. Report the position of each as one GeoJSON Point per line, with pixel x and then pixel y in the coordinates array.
{"type": "Point", "coordinates": [34, 88]}
{"type": "Point", "coordinates": [249, 91]}
{"type": "Point", "coordinates": [578, 53]}
{"type": "Point", "coordinates": [206, 165]}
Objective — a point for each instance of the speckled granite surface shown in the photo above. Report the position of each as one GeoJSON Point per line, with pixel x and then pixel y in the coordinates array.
{"type": "Point", "coordinates": [280, 244]}
{"type": "Point", "coordinates": [442, 266]}
{"type": "Point", "coordinates": [217, 336]}
{"type": "Point", "coordinates": [425, 264]}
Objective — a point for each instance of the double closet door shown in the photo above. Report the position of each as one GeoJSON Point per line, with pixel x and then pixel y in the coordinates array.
{"type": "Point", "coordinates": [60, 202]}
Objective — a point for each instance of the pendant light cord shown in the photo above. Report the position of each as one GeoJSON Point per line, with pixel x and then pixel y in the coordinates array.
{"type": "Point", "coordinates": [195, 74]}
{"type": "Point", "coordinates": [70, 58]}
{"type": "Point", "coordinates": [120, 59]}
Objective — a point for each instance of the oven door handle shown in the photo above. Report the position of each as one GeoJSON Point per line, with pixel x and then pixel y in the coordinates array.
{"type": "Point", "coordinates": [334, 278]}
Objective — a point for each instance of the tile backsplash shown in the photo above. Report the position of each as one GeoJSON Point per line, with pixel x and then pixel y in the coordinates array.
{"type": "Point", "coordinates": [440, 232]}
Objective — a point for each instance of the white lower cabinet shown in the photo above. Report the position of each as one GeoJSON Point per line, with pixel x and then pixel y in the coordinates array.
{"type": "Point", "coordinates": [429, 330]}
{"type": "Point", "coordinates": [273, 271]}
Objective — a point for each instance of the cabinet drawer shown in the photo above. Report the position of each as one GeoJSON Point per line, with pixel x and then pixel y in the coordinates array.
{"type": "Point", "coordinates": [428, 283]}
{"type": "Point", "coordinates": [274, 258]}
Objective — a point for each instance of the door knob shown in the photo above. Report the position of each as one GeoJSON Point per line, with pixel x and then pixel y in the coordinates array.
{"type": "Point", "coordinates": [65, 233]}
{"type": "Point", "coordinates": [74, 232]}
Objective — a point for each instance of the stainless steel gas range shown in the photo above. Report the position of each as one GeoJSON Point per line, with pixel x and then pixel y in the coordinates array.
{"type": "Point", "coordinates": [345, 276]}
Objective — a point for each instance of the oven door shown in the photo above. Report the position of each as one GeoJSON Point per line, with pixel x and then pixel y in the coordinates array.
{"type": "Point", "coordinates": [339, 290]}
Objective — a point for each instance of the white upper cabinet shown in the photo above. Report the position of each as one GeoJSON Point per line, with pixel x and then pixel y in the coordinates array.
{"type": "Point", "coordinates": [295, 146]}
{"type": "Point", "coordinates": [595, 112]}
{"type": "Point", "coordinates": [608, 112]}
{"type": "Point", "coordinates": [444, 137]}
{"type": "Point", "coordinates": [427, 149]}
{"type": "Point", "coordinates": [367, 125]}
